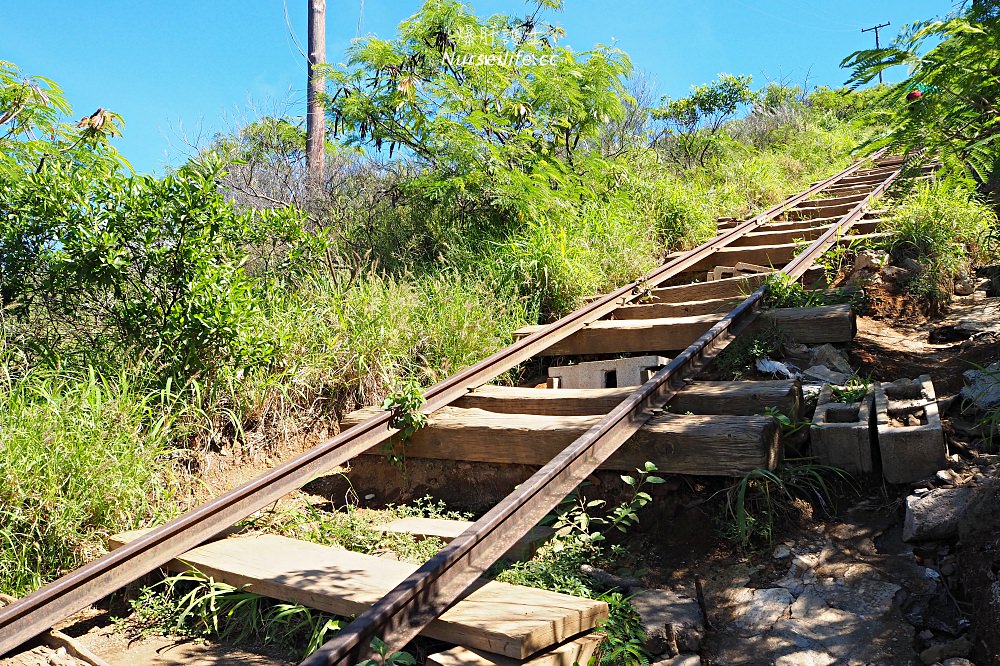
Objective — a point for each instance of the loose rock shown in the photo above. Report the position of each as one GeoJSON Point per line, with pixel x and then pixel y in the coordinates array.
{"type": "Point", "coordinates": [960, 647]}
{"type": "Point", "coordinates": [936, 515]}
{"type": "Point", "coordinates": [983, 387]}
{"type": "Point", "coordinates": [964, 286]}
{"type": "Point", "coordinates": [758, 610]}
{"type": "Point", "coordinates": [825, 374]}
{"type": "Point", "coordinates": [831, 357]}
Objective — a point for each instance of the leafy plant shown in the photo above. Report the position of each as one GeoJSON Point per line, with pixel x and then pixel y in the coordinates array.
{"type": "Point", "coordinates": [404, 403]}
{"type": "Point", "coordinates": [385, 658]}
{"type": "Point", "coordinates": [624, 635]}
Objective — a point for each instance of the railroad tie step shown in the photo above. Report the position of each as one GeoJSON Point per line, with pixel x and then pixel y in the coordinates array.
{"type": "Point", "coordinates": [448, 530]}
{"type": "Point", "coordinates": [829, 323]}
{"type": "Point", "coordinates": [746, 398]}
{"type": "Point", "coordinates": [721, 445]}
{"type": "Point", "coordinates": [508, 620]}
{"type": "Point", "coordinates": [576, 651]}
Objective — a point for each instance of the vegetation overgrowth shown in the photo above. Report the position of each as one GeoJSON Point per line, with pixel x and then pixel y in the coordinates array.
{"type": "Point", "coordinates": [150, 320]}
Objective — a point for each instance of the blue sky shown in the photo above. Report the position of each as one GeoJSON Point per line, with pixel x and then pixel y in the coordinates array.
{"type": "Point", "coordinates": [187, 68]}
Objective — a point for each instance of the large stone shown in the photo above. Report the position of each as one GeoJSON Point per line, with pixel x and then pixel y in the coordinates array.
{"type": "Point", "coordinates": [832, 358]}
{"type": "Point", "coordinates": [983, 387]}
{"type": "Point", "coordinates": [936, 515]}
{"type": "Point", "coordinates": [756, 611]}
{"type": "Point", "coordinates": [856, 588]}
{"type": "Point", "coordinates": [670, 620]}
{"type": "Point", "coordinates": [805, 658]}
{"type": "Point", "coordinates": [964, 286]}
{"type": "Point", "coordinates": [960, 647]}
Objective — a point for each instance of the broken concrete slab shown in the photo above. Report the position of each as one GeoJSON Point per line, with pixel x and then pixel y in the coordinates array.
{"type": "Point", "coordinates": [936, 515]}
{"type": "Point", "coordinates": [605, 374]}
{"type": "Point", "coordinates": [909, 452]}
{"type": "Point", "coordinates": [841, 435]}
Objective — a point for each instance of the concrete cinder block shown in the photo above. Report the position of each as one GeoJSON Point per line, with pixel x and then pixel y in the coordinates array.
{"type": "Point", "coordinates": [605, 374]}
{"type": "Point", "coordinates": [841, 432]}
{"type": "Point", "coordinates": [910, 439]}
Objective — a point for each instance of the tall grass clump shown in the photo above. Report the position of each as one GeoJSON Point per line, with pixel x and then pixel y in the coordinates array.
{"type": "Point", "coordinates": [82, 457]}
{"type": "Point", "coordinates": [946, 230]}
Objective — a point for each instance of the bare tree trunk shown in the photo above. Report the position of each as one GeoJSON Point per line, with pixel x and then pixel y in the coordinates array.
{"type": "Point", "coordinates": [315, 115]}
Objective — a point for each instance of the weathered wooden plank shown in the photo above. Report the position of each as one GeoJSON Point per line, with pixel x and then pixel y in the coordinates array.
{"type": "Point", "coordinates": [702, 291]}
{"type": "Point", "coordinates": [831, 201]}
{"type": "Point", "coordinates": [806, 234]}
{"type": "Point", "coordinates": [687, 309]}
{"type": "Point", "coordinates": [575, 652]}
{"type": "Point", "coordinates": [448, 530]}
{"type": "Point", "coordinates": [630, 335]}
{"type": "Point", "coordinates": [828, 323]}
{"type": "Point", "coordinates": [551, 402]}
{"type": "Point", "coordinates": [737, 398]}
{"type": "Point", "coordinates": [721, 445]}
{"type": "Point", "coordinates": [616, 336]}
{"type": "Point", "coordinates": [504, 619]}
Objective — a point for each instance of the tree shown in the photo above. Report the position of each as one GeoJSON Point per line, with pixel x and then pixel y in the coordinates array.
{"type": "Point", "coordinates": [494, 111]}
{"type": "Point", "coordinates": [690, 127]}
{"type": "Point", "coordinates": [950, 103]}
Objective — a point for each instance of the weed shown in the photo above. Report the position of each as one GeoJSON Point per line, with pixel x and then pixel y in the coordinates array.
{"type": "Point", "coordinates": [855, 390]}
{"type": "Point", "coordinates": [575, 518]}
{"type": "Point", "coordinates": [740, 356]}
{"type": "Point", "coordinates": [385, 658]}
{"type": "Point", "coordinates": [193, 604]}
{"type": "Point", "coordinates": [762, 497]}
{"type": "Point", "coordinates": [788, 426]}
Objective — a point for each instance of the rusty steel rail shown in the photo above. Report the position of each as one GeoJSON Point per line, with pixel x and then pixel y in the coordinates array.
{"type": "Point", "coordinates": [428, 592]}
{"type": "Point", "coordinates": [54, 602]}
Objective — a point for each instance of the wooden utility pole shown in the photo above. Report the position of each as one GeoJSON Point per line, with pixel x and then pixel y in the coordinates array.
{"type": "Point", "coordinates": [315, 115]}
{"type": "Point", "coordinates": [878, 44]}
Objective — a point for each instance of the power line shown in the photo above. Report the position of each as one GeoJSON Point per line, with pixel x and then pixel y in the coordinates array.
{"type": "Point", "coordinates": [878, 44]}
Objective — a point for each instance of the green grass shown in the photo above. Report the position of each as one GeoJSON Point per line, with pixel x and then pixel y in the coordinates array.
{"type": "Point", "coordinates": [946, 230]}
{"type": "Point", "coordinates": [82, 457]}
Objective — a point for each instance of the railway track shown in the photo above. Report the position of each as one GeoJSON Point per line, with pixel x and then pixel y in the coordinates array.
{"type": "Point", "coordinates": [666, 311]}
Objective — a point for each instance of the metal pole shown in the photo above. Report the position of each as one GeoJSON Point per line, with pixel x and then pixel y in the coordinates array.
{"type": "Point", "coordinates": [878, 44]}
